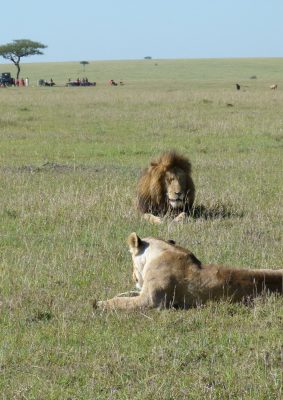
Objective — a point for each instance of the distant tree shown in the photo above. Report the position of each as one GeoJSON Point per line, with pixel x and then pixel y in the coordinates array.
{"type": "Point", "coordinates": [17, 49]}
{"type": "Point", "coordinates": [84, 63]}
{"type": "Point", "coordinates": [147, 58]}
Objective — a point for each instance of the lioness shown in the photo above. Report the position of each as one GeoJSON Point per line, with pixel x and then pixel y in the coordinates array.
{"type": "Point", "coordinates": [169, 275]}
{"type": "Point", "coordinates": [166, 187]}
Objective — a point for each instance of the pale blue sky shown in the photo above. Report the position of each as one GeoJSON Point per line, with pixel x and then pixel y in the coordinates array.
{"type": "Point", "coordinates": [129, 29]}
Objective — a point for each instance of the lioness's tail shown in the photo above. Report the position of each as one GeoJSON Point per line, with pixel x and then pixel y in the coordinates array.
{"type": "Point", "coordinates": [269, 280]}
{"type": "Point", "coordinates": [254, 282]}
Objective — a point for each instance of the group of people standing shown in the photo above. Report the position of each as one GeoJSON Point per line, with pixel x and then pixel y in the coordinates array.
{"type": "Point", "coordinates": [80, 82]}
{"type": "Point", "coordinates": [21, 82]}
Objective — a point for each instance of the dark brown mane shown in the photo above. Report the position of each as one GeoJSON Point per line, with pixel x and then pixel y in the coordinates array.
{"type": "Point", "coordinates": [151, 186]}
{"type": "Point", "coordinates": [170, 160]}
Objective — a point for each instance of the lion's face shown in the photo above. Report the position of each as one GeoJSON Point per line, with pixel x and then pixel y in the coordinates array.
{"type": "Point", "coordinates": [175, 184]}
{"type": "Point", "coordinates": [166, 184]}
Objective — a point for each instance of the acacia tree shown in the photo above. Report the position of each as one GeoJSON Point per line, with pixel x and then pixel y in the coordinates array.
{"type": "Point", "coordinates": [84, 63]}
{"type": "Point", "coordinates": [17, 49]}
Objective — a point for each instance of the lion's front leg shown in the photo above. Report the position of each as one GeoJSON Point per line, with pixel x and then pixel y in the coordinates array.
{"type": "Point", "coordinates": [152, 218]}
{"type": "Point", "coordinates": [124, 303]}
{"type": "Point", "coordinates": [181, 217]}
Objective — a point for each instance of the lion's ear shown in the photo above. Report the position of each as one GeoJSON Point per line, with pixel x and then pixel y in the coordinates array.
{"type": "Point", "coordinates": [171, 241]}
{"type": "Point", "coordinates": [134, 241]}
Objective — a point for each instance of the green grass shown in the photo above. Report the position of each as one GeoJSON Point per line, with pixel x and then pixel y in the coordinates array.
{"type": "Point", "coordinates": [69, 163]}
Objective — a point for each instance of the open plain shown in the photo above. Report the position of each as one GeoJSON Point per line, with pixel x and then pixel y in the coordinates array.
{"type": "Point", "coordinates": [70, 158]}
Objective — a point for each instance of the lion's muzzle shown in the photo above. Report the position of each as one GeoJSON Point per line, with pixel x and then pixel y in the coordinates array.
{"type": "Point", "coordinates": [176, 202]}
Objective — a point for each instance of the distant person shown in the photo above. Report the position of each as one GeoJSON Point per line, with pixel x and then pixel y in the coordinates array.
{"type": "Point", "coordinates": [22, 83]}
{"type": "Point", "coordinates": [27, 82]}
{"type": "Point", "coordinates": [238, 87]}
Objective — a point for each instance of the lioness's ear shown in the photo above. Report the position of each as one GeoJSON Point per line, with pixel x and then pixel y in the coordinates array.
{"type": "Point", "coordinates": [134, 241]}
{"type": "Point", "coordinates": [171, 241]}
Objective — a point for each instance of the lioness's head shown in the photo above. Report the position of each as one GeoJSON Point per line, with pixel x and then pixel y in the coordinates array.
{"type": "Point", "coordinates": [152, 252]}
{"type": "Point", "coordinates": [143, 251]}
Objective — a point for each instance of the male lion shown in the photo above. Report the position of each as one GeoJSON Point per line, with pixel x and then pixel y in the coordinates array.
{"type": "Point", "coordinates": [166, 187]}
{"type": "Point", "coordinates": [169, 275]}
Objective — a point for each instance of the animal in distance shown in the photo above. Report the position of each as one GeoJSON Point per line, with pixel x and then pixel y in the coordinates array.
{"type": "Point", "coordinates": [166, 188]}
{"type": "Point", "coordinates": [168, 275]}
{"type": "Point", "coordinates": [273, 87]}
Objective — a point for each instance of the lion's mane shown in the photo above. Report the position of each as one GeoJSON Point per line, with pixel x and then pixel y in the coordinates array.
{"type": "Point", "coordinates": [151, 190]}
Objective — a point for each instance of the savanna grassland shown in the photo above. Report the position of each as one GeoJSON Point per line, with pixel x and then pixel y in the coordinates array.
{"type": "Point", "coordinates": [69, 162]}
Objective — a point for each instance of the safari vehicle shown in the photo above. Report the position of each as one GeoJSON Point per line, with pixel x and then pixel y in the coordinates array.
{"type": "Point", "coordinates": [6, 79]}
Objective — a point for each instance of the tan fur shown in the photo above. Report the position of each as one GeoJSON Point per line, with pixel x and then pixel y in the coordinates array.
{"type": "Point", "coordinates": [169, 275]}
{"type": "Point", "coordinates": [273, 87]}
{"type": "Point", "coordinates": [166, 187]}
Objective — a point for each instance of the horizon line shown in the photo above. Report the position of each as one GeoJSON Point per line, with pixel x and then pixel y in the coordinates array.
{"type": "Point", "coordinates": [151, 59]}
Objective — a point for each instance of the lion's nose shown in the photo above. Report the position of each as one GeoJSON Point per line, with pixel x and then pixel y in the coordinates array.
{"type": "Point", "coordinates": [178, 193]}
